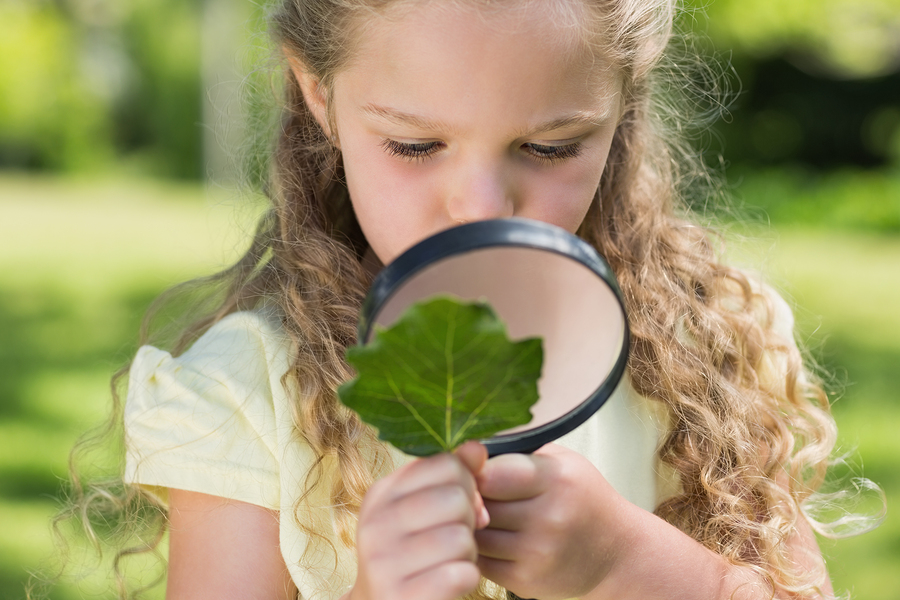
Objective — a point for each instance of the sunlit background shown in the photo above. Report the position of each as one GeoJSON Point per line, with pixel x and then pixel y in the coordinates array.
{"type": "Point", "coordinates": [126, 155]}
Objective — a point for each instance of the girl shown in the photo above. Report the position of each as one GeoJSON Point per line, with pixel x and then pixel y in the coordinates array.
{"type": "Point", "coordinates": [401, 119]}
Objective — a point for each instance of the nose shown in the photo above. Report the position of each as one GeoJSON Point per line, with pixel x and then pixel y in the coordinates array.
{"type": "Point", "coordinates": [481, 192]}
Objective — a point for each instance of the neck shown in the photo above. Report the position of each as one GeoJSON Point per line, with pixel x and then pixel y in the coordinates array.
{"type": "Point", "coordinates": [371, 264]}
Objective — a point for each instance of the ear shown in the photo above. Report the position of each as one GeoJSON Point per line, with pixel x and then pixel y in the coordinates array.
{"type": "Point", "coordinates": [314, 93]}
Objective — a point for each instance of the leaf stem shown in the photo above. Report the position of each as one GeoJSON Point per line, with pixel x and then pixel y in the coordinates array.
{"type": "Point", "coordinates": [448, 356]}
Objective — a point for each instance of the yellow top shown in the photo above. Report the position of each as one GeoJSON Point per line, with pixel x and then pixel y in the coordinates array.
{"type": "Point", "coordinates": [217, 420]}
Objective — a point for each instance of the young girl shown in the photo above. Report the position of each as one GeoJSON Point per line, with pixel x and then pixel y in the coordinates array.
{"type": "Point", "coordinates": [405, 118]}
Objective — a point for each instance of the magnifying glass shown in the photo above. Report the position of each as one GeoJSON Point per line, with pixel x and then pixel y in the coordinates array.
{"type": "Point", "coordinates": [542, 282]}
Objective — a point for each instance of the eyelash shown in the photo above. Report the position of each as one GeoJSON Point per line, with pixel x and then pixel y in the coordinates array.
{"type": "Point", "coordinates": [422, 150]}
{"type": "Point", "coordinates": [552, 154]}
{"type": "Point", "coordinates": [412, 152]}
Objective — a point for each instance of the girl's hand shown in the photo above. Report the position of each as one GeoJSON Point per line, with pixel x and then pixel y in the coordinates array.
{"type": "Point", "coordinates": [415, 533]}
{"type": "Point", "coordinates": [556, 524]}
{"type": "Point", "coordinates": [559, 530]}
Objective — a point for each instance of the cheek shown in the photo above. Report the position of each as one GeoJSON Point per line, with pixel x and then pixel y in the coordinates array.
{"type": "Point", "coordinates": [392, 200]}
{"type": "Point", "coordinates": [564, 198]}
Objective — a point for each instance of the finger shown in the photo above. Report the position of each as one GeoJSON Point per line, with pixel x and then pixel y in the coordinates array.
{"type": "Point", "coordinates": [497, 543]}
{"type": "Point", "coordinates": [433, 471]}
{"type": "Point", "coordinates": [430, 507]}
{"type": "Point", "coordinates": [473, 455]}
{"type": "Point", "coordinates": [447, 581]}
{"type": "Point", "coordinates": [482, 515]}
{"type": "Point", "coordinates": [513, 477]}
{"type": "Point", "coordinates": [511, 516]}
{"type": "Point", "coordinates": [502, 572]}
{"type": "Point", "coordinates": [426, 549]}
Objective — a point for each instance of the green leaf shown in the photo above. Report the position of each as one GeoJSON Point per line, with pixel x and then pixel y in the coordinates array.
{"type": "Point", "coordinates": [444, 373]}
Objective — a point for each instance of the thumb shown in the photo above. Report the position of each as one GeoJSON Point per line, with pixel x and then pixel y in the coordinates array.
{"type": "Point", "coordinates": [474, 456]}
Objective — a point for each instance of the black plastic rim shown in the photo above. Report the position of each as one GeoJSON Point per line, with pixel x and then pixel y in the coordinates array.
{"type": "Point", "coordinates": [512, 232]}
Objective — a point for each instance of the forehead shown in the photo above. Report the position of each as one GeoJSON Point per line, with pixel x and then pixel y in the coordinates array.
{"type": "Point", "coordinates": [563, 20]}
{"type": "Point", "coordinates": [532, 53]}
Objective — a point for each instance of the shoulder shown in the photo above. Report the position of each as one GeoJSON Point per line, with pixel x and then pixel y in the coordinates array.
{"type": "Point", "coordinates": [777, 360]}
{"type": "Point", "coordinates": [238, 338]}
{"type": "Point", "coordinates": [208, 420]}
{"type": "Point", "coordinates": [748, 291]}
{"type": "Point", "coordinates": [242, 348]}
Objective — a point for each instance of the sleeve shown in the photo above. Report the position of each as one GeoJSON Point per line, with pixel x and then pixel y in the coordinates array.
{"type": "Point", "coordinates": [781, 315]}
{"type": "Point", "coordinates": [774, 369]}
{"type": "Point", "coordinates": [205, 421]}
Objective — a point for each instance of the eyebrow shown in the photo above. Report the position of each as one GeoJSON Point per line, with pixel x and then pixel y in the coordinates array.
{"type": "Point", "coordinates": [575, 119]}
{"type": "Point", "coordinates": [404, 118]}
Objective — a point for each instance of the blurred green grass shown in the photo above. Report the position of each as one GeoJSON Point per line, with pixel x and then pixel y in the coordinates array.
{"type": "Point", "coordinates": [80, 261]}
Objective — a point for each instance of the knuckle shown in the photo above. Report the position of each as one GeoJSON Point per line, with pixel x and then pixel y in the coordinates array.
{"type": "Point", "coordinates": [369, 548]}
{"type": "Point", "coordinates": [446, 581]}
{"type": "Point", "coordinates": [375, 498]}
{"type": "Point", "coordinates": [442, 503]}
{"type": "Point", "coordinates": [449, 503]}
{"type": "Point", "coordinates": [557, 518]}
{"type": "Point", "coordinates": [456, 498]}
{"type": "Point", "coordinates": [444, 468]}
{"type": "Point", "coordinates": [460, 540]}
{"type": "Point", "coordinates": [460, 577]}
{"type": "Point", "coordinates": [445, 462]}
{"type": "Point", "coordinates": [541, 555]}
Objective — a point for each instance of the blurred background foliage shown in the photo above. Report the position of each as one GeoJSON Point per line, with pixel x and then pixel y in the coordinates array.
{"type": "Point", "coordinates": [92, 85]}
{"type": "Point", "coordinates": [124, 141]}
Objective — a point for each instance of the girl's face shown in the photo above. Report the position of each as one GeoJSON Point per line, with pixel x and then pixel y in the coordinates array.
{"type": "Point", "coordinates": [451, 115]}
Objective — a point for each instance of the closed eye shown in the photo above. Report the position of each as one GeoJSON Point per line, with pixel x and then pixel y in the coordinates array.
{"type": "Point", "coordinates": [421, 150]}
{"type": "Point", "coordinates": [552, 154]}
{"type": "Point", "coordinates": [417, 151]}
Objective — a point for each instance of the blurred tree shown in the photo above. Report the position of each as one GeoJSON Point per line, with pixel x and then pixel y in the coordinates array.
{"type": "Point", "coordinates": [838, 38]}
{"type": "Point", "coordinates": [87, 82]}
{"type": "Point", "coordinates": [789, 115]}
{"type": "Point", "coordinates": [159, 115]}
{"type": "Point", "coordinates": [52, 116]}
{"type": "Point", "coordinates": [820, 81]}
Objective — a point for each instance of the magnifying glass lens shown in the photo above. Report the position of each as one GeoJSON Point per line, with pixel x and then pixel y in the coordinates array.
{"type": "Point", "coordinates": [542, 282]}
